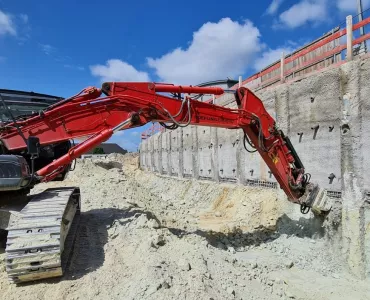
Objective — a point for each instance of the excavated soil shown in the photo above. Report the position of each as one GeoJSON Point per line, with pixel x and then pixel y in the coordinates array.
{"type": "Point", "coordinates": [143, 236]}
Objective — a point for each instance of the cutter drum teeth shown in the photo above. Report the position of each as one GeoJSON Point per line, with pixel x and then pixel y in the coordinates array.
{"type": "Point", "coordinates": [41, 239]}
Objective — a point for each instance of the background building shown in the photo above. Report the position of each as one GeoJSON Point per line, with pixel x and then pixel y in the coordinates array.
{"type": "Point", "coordinates": [107, 148]}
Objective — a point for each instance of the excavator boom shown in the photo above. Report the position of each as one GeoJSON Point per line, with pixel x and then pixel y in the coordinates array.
{"type": "Point", "coordinates": [35, 149]}
{"type": "Point", "coordinates": [132, 104]}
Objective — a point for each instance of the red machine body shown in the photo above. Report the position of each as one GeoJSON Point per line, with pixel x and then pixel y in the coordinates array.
{"type": "Point", "coordinates": [132, 104]}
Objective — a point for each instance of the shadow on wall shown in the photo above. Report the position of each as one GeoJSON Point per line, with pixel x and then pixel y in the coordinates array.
{"type": "Point", "coordinates": [3, 236]}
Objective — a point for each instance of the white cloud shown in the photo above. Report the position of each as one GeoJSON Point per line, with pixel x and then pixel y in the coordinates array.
{"type": "Point", "coordinates": [63, 58]}
{"type": "Point", "coordinates": [302, 13]}
{"type": "Point", "coordinates": [74, 67]}
{"type": "Point", "coordinates": [24, 18]}
{"type": "Point", "coordinates": [118, 70]}
{"type": "Point", "coordinates": [217, 51]}
{"type": "Point", "coordinates": [120, 133]}
{"type": "Point", "coordinates": [135, 133]}
{"type": "Point", "coordinates": [270, 56]}
{"type": "Point", "coordinates": [274, 6]}
{"type": "Point", "coordinates": [7, 25]}
{"type": "Point", "coordinates": [55, 54]}
{"type": "Point", "coordinates": [47, 49]}
{"type": "Point", "coordinates": [351, 5]}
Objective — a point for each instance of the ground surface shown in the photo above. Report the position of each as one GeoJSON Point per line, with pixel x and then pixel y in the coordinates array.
{"type": "Point", "coordinates": [148, 237]}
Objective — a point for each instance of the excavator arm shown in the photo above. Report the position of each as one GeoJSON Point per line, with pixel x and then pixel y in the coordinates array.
{"type": "Point", "coordinates": [132, 104]}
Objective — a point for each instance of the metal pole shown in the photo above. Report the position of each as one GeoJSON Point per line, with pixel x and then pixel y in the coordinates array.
{"type": "Point", "coordinates": [362, 30]}
{"type": "Point", "coordinates": [122, 125]}
{"type": "Point", "coordinates": [349, 38]}
{"type": "Point", "coordinates": [282, 76]}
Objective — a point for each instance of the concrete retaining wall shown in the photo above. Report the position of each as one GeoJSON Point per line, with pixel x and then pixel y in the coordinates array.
{"type": "Point", "coordinates": [326, 116]}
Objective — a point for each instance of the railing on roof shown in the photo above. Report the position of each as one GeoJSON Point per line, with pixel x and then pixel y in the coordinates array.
{"type": "Point", "coordinates": [319, 54]}
{"type": "Point", "coordinates": [155, 128]}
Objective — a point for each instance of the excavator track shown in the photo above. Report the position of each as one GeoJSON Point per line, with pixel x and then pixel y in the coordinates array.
{"type": "Point", "coordinates": [41, 238]}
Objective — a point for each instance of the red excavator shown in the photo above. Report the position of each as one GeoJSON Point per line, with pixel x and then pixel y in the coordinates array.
{"type": "Point", "coordinates": [36, 147]}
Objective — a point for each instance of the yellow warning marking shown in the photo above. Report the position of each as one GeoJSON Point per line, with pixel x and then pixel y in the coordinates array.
{"type": "Point", "coordinates": [275, 159]}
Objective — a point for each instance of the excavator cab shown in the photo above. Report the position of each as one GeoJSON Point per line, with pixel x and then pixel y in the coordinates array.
{"type": "Point", "coordinates": [21, 104]}
{"type": "Point", "coordinates": [16, 106]}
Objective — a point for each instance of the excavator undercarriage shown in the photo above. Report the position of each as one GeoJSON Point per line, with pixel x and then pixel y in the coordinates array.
{"type": "Point", "coordinates": [40, 232]}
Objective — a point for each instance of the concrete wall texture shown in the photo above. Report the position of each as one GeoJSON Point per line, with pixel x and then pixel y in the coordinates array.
{"type": "Point", "coordinates": [327, 117]}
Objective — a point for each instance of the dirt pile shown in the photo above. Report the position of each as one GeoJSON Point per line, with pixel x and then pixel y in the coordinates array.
{"type": "Point", "coordinates": [143, 236]}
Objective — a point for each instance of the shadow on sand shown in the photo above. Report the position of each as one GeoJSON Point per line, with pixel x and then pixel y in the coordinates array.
{"type": "Point", "coordinates": [88, 252]}
{"type": "Point", "coordinates": [301, 228]}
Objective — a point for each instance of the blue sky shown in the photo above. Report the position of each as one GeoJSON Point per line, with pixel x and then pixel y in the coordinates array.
{"type": "Point", "coordinates": [60, 47]}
